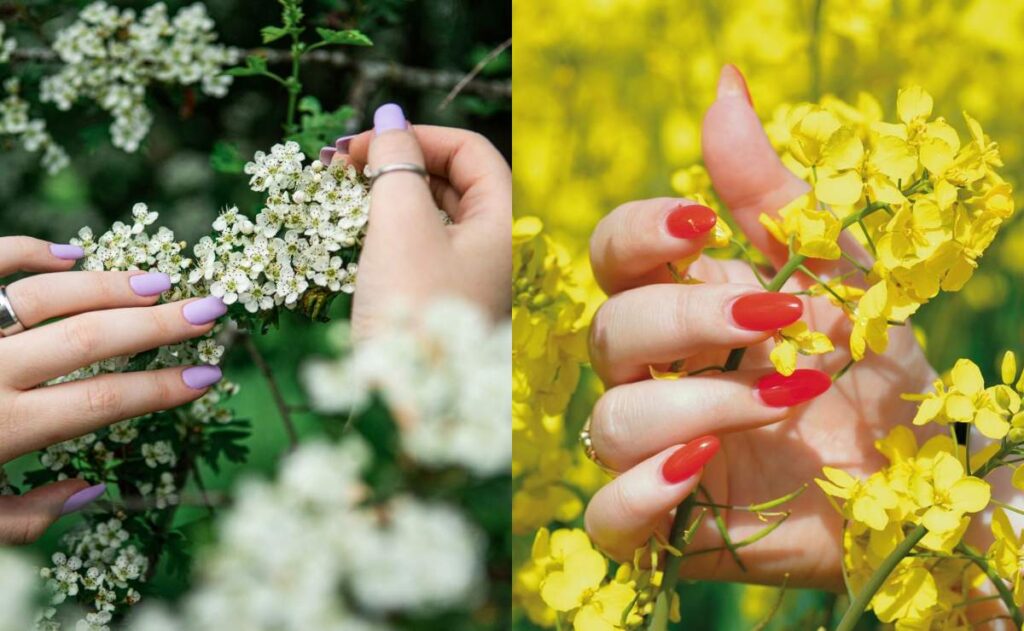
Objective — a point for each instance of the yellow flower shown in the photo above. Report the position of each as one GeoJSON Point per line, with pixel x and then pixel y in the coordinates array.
{"type": "Point", "coordinates": [867, 502]}
{"type": "Point", "coordinates": [1006, 553]}
{"type": "Point", "coordinates": [955, 494]}
{"type": "Point", "coordinates": [881, 303]}
{"type": "Point", "coordinates": [797, 338]}
{"type": "Point", "coordinates": [848, 171]}
{"type": "Point", "coordinates": [966, 400]}
{"type": "Point", "coordinates": [908, 593]}
{"type": "Point", "coordinates": [814, 233]}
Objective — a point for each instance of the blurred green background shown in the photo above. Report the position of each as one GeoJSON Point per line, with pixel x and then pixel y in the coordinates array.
{"type": "Point", "coordinates": [610, 95]}
{"type": "Point", "coordinates": [172, 173]}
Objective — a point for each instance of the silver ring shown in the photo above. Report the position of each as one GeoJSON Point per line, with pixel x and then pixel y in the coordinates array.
{"type": "Point", "coordinates": [9, 322]}
{"type": "Point", "coordinates": [373, 174]}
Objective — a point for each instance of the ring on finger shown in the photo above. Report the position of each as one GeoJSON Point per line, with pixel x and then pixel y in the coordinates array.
{"type": "Point", "coordinates": [9, 322]}
{"type": "Point", "coordinates": [396, 167]}
{"type": "Point", "coordinates": [588, 448]}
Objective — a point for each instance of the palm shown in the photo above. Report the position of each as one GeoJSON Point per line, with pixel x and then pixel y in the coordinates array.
{"type": "Point", "coordinates": [836, 429]}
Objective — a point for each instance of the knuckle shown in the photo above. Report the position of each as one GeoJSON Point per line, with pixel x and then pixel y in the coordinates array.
{"type": "Point", "coordinates": [682, 314]}
{"type": "Point", "coordinates": [161, 326]}
{"type": "Point", "coordinates": [27, 299]}
{"type": "Point", "coordinates": [103, 399]}
{"type": "Point", "coordinates": [160, 389]}
{"type": "Point", "coordinates": [81, 336]}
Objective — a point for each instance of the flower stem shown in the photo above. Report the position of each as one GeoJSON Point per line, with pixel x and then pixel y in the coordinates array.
{"type": "Point", "coordinates": [1000, 585]}
{"type": "Point", "coordinates": [663, 603]}
{"type": "Point", "coordinates": [861, 601]}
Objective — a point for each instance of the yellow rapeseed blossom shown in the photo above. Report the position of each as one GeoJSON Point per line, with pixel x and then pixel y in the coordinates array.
{"type": "Point", "coordinates": [1006, 554]}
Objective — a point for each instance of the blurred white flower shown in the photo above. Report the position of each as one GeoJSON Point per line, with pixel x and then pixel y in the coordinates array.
{"type": "Point", "coordinates": [17, 588]}
{"type": "Point", "coordinates": [445, 375]}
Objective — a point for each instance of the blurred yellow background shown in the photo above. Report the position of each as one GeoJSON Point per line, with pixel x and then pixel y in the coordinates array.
{"type": "Point", "coordinates": [609, 98]}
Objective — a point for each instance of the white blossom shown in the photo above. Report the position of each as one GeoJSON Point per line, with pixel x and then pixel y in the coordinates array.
{"type": "Point", "coordinates": [17, 589]}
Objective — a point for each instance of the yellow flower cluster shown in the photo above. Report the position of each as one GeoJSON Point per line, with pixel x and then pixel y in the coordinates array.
{"type": "Point", "coordinates": [567, 578]}
{"type": "Point", "coordinates": [924, 203]}
{"type": "Point", "coordinates": [963, 398]}
{"type": "Point", "coordinates": [549, 345]}
{"type": "Point", "coordinates": [928, 486]}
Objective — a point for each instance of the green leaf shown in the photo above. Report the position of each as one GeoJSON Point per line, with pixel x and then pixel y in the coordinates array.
{"type": "Point", "coordinates": [254, 65]}
{"type": "Point", "coordinates": [344, 38]}
{"type": "Point", "coordinates": [310, 105]}
{"type": "Point", "coordinates": [318, 128]}
{"type": "Point", "coordinates": [226, 158]}
{"type": "Point", "coordinates": [273, 33]}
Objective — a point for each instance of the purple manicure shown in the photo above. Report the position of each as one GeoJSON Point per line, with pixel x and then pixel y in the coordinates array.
{"type": "Point", "coordinates": [388, 117]}
{"type": "Point", "coordinates": [152, 284]}
{"type": "Point", "coordinates": [327, 155]}
{"type": "Point", "coordinates": [204, 311]}
{"type": "Point", "coordinates": [83, 498]}
{"type": "Point", "coordinates": [67, 252]}
{"type": "Point", "coordinates": [341, 144]}
{"type": "Point", "coordinates": [199, 377]}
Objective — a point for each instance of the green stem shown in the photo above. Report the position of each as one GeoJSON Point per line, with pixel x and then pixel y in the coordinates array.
{"type": "Point", "coordinates": [860, 603]}
{"type": "Point", "coordinates": [1004, 591]}
{"type": "Point", "coordinates": [293, 85]}
{"type": "Point", "coordinates": [663, 604]}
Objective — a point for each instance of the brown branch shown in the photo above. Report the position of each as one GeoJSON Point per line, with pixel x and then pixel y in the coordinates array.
{"type": "Point", "coordinates": [375, 71]}
{"type": "Point", "coordinates": [477, 69]}
{"type": "Point", "coordinates": [282, 406]}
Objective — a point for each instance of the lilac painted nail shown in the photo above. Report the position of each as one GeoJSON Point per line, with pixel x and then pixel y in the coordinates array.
{"type": "Point", "coordinates": [152, 284]}
{"type": "Point", "coordinates": [67, 251]}
{"type": "Point", "coordinates": [83, 498]}
{"type": "Point", "coordinates": [327, 155]}
{"type": "Point", "coordinates": [388, 117]}
{"type": "Point", "coordinates": [204, 311]}
{"type": "Point", "coordinates": [199, 377]}
{"type": "Point", "coordinates": [341, 144]}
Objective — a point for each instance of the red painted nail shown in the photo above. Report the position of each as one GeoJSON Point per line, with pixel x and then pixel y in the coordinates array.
{"type": "Point", "coordinates": [766, 311]}
{"type": "Point", "coordinates": [779, 391]}
{"type": "Point", "coordinates": [732, 82]}
{"type": "Point", "coordinates": [689, 459]}
{"type": "Point", "coordinates": [690, 222]}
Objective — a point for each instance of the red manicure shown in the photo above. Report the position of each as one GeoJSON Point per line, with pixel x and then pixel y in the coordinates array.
{"type": "Point", "coordinates": [689, 459]}
{"type": "Point", "coordinates": [767, 311]}
{"type": "Point", "coordinates": [779, 391]}
{"type": "Point", "coordinates": [690, 222]}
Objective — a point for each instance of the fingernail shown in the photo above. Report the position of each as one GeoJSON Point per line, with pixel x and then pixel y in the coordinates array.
{"type": "Point", "coordinates": [199, 377]}
{"type": "Point", "coordinates": [766, 311]}
{"type": "Point", "coordinates": [83, 498]}
{"type": "Point", "coordinates": [779, 391]}
{"type": "Point", "coordinates": [327, 154]}
{"type": "Point", "coordinates": [731, 83]}
{"type": "Point", "coordinates": [388, 117]}
{"type": "Point", "coordinates": [204, 311]}
{"type": "Point", "coordinates": [689, 459]}
{"type": "Point", "coordinates": [152, 284]}
{"type": "Point", "coordinates": [690, 222]}
{"type": "Point", "coordinates": [341, 144]}
{"type": "Point", "coordinates": [67, 251]}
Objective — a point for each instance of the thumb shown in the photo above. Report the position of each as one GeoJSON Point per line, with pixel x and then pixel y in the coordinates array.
{"type": "Point", "coordinates": [746, 172]}
{"type": "Point", "coordinates": [25, 518]}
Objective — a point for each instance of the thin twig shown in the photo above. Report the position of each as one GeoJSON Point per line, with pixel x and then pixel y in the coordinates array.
{"type": "Point", "coordinates": [275, 390]}
{"type": "Point", "coordinates": [374, 70]}
{"type": "Point", "coordinates": [477, 69]}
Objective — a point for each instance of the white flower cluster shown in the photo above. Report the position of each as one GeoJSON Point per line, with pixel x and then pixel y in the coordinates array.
{"type": "Point", "coordinates": [445, 375]}
{"type": "Point", "coordinates": [17, 589]}
{"type": "Point", "coordinates": [302, 553]}
{"type": "Point", "coordinates": [7, 46]}
{"type": "Point", "coordinates": [16, 121]}
{"type": "Point", "coordinates": [100, 562]}
{"type": "Point", "coordinates": [111, 56]}
{"type": "Point", "coordinates": [306, 235]}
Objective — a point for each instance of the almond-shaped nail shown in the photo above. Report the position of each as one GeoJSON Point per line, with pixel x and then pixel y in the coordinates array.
{"type": "Point", "coordinates": [199, 377]}
{"type": "Point", "coordinates": [388, 117]}
{"type": "Point", "coordinates": [327, 155]}
{"type": "Point", "coordinates": [66, 251]}
{"type": "Point", "coordinates": [204, 311]}
{"type": "Point", "coordinates": [689, 459]}
{"type": "Point", "coordinates": [766, 311]}
{"type": "Point", "coordinates": [83, 498]}
{"type": "Point", "coordinates": [341, 144]}
{"type": "Point", "coordinates": [778, 391]}
{"type": "Point", "coordinates": [690, 221]}
{"type": "Point", "coordinates": [731, 83]}
{"type": "Point", "coordinates": [151, 284]}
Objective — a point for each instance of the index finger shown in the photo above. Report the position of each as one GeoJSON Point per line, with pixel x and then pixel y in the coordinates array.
{"type": "Point", "coordinates": [470, 163]}
{"type": "Point", "coordinates": [25, 254]}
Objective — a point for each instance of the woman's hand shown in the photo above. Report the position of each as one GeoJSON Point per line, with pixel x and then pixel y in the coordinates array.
{"type": "Point", "coordinates": [105, 314]}
{"type": "Point", "coordinates": [409, 254]}
{"type": "Point", "coordinates": [775, 433]}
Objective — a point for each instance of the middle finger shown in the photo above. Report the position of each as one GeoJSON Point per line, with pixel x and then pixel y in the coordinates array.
{"type": "Point", "coordinates": [81, 340]}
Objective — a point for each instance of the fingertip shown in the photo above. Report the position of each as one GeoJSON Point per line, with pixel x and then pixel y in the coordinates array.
{"type": "Point", "coordinates": [201, 377]}
{"type": "Point", "coordinates": [82, 498]}
{"type": "Point", "coordinates": [389, 117]}
{"type": "Point", "coordinates": [67, 251]}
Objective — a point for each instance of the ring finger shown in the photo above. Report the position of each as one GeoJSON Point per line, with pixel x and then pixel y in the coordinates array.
{"type": "Point", "coordinates": [44, 296]}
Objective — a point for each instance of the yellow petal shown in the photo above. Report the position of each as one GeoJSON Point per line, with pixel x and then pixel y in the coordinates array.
{"type": "Point", "coordinates": [913, 104]}
{"type": "Point", "coordinates": [840, 188]}
{"type": "Point", "coordinates": [991, 424]}
{"type": "Point", "coordinates": [970, 494]}
{"type": "Point", "coordinates": [967, 377]}
{"type": "Point", "coordinates": [783, 357]}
